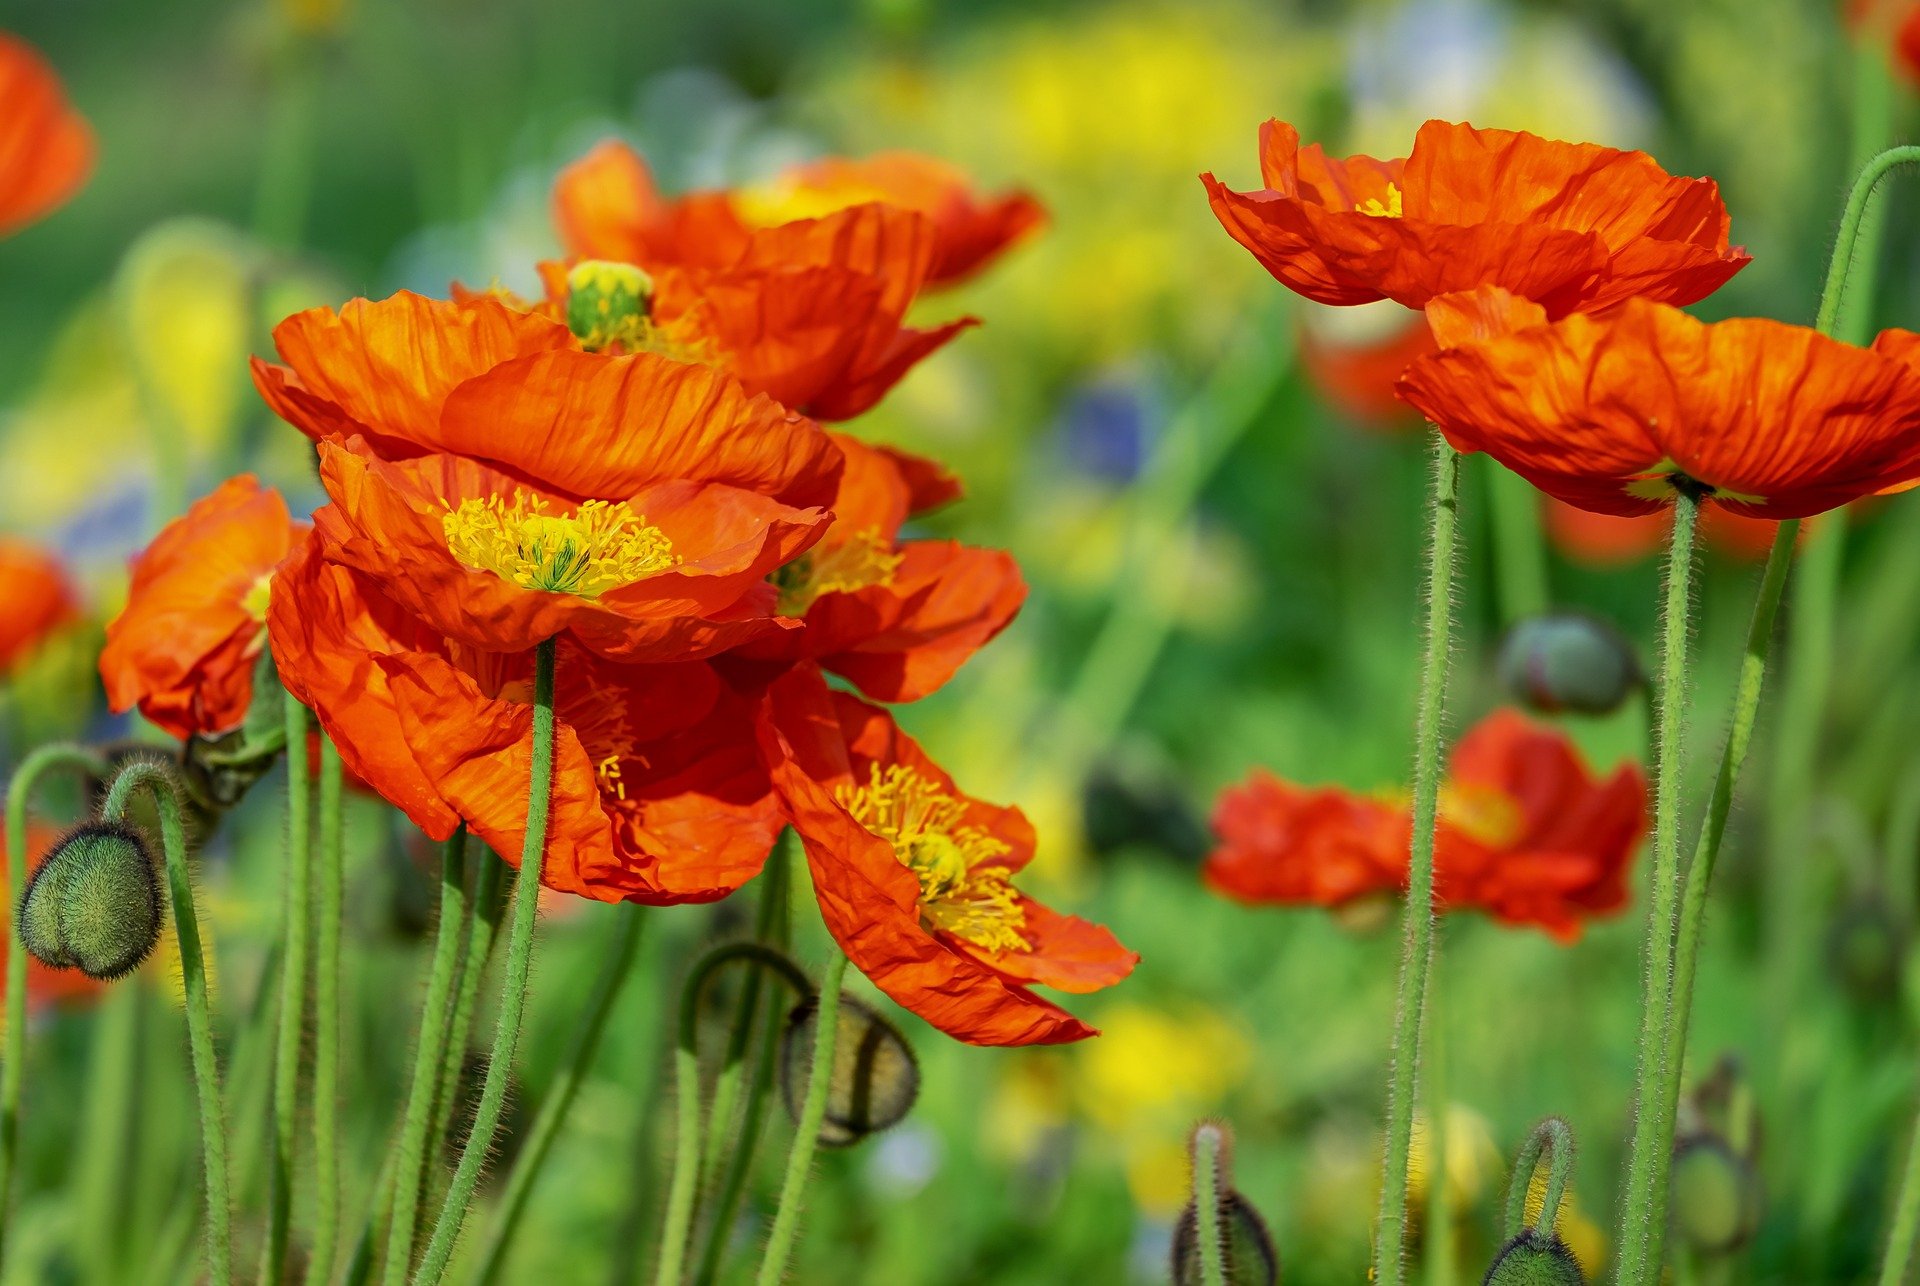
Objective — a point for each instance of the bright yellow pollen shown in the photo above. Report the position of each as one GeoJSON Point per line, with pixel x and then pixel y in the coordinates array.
{"type": "Point", "coordinates": [867, 559]}
{"type": "Point", "coordinates": [1484, 813]}
{"type": "Point", "coordinates": [596, 548]}
{"type": "Point", "coordinates": [259, 594]}
{"type": "Point", "coordinates": [962, 891]}
{"type": "Point", "coordinates": [1389, 209]}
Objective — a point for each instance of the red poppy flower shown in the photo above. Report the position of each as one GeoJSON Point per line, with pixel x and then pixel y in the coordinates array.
{"type": "Point", "coordinates": [45, 986]}
{"type": "Point", "coordinates": [659, 795]}
{"type": "Point", "coordinates": [1357, 376]}
{"type": "Point", "coordinates": [35, 600]}
{"type": "Point", "coordinates": [1526, 834]}
{"type": "Point", "coordinates": [46, 148]}
{"type": "Point", "coordinates": [895, 617]}
{"type": "Point", "coordinates": [915, 878]}
{"type": "Point", "coordinates": [1571, 225]}
{"type": "Point", "coordinates": [1608, 540]}
{"type": "Point", "coordinates": [183, 649]}
{"type": "Point", "coordinates": [1895, 21]}
{"type": "Point", "coordinates": [1614, 412]}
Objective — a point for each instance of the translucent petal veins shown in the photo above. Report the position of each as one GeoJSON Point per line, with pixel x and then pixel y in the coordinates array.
{"type": "Point", "coordinates": [599, 547]}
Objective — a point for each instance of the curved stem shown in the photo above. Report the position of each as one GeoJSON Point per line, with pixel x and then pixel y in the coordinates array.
{"type": "Point", "coordinates": [1417, 957]}
{"type": "Point", "coordinates": [1639, 1239]}
{"type": "Point", "coordinates": [410, 1149]}
{"type": "Point", "coordinates": [36, 765]}
{"type": "Point", "coordinates": [1852, 220]}
{"type": "Point", "coordinates": [574, 1064]}
{"type": "Point", "coordinates": [293, 995]}
{"type": "Point", "coordinates": [158, 782]}
{"type": "Point", "coordinates": [513, 994]}
{"type": "Point", "coordinates": [326, 1017]}
{"type": "Point", "coordinates": [1206, 1206]}
{"type": "Point", "coordinates": [806, 1136]}
{"type": "Point", "coordinates": [1552, 1138]}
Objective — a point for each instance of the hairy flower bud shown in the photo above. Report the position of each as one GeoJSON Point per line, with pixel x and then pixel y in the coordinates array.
{"type": "Point", "coordinates": [1247, 1255]}
{"type": "Point", "coordinates": [875, 1076]}
{"type": "Point", "coordinates": [1567, 661]}
{"type": "Point", "coordinates": [608, 302]}
{"type": "Point", "coordinates": [1535, 1259]}
{"type": "Point", "coordinates": [94, 903]}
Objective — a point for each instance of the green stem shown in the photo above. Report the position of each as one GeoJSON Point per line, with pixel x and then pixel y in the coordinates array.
{"type": "Point", "coordinates": [1438, 1252]}
{"type": "Point", "coordinates": [727, 1081]}
{"type": "Point", "coordinates": [574, 1064]}
{"type": "Point", "coordinates": [486, 906]}
{"type": "Point", "coordinates": [1906, 1218]}
{"type": "Point", "coordinates": [1519, 553]}
{"type": "Point", "coordinates": [513, 994]}
{"type": "Point", "coordinates": [107, 1141]}
{"type": "Point", "coordinates": [286, 169]}
{"type": "Point", "coordinates": [326, 1017]}
{"type": "Point", "coordinates": [806, 1136]}
{"type": "Point", "coordinates": [1206, 1206]}
{"type": "Point", "coordinates": [1639, 1239]}
{"type": "Point", "coordinates": [293, 995]}
{"type": "Point", "coordinates": [1417, 958]}
{"type": "Point", "coordinates": [20, 790]}
{"type": "Point", "coordinates": [1553, 1139]}
{"type": "Point", "coordinates": [409, 1163]}
{"type": "Point", "coordinates": [159, 783]}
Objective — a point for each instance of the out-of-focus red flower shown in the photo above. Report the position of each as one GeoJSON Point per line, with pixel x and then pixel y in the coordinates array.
{"type": "Point", "coordinates": [46, 148]}
{"type": "Point", "coordinates": [45, 986]}
{"type": "Point", "coordinates": [183, 649]}
{"type": "Point", "coordinates": [1571, 226]}
{"type": "Point", "coordinates": [1895, 21]}
{"type": "Point", "coordinates": [1617, 412]}
{"type": "Point", "coordinates": [1526, 834]}
{"type": "Point", "coordinates": [915, 877]}
{"type": "Point", "coordinates": [1609, 540]}
{"type": "Point", "coordinates": [1358, 377]}
{"type": "Point", "coordinates": [35, 600]}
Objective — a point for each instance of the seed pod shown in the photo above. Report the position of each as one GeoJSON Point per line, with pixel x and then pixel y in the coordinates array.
{"type": "Point", "coordinates": [1533, 1259]}
{"type": "Point", "coordinates": [1568, 661]}
{"type": "Point", "coordinates": [94, 903]}
{"type": "Point", "coordinates": [875, 1076]}
{"type": "Point", "coordinates": [1715, 1195]}
{"type": "Point", "coordinates": [1247, 1255]}
{"type": "Point", "coordinates": [608, 302]}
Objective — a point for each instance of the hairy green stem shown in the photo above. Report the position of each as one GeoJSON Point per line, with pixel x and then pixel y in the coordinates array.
{"type": "Point", "coordinates": [1553, 1139]}
{"type": "Point", "coordinates": [513, 992]}
{"type": "Point", "coordinates": [617, 962]}
{"type": "Point", "coordinates": [293, 995]}
{"type": "Point", "coordinates": [158, 781]}
{"type": "Point", "coordinates": [326, 1016]}
{"type": "Point", "coordinates": [806, 1135]}
{"type": "Point", "coordinates": [470, 971]}
{"type": "Point", "coordinates": [1906, 1218]}
{"type": "Point", "coordinates": [1417, 958]}
{"type": "Point", "coordinates": [1206, 1206]}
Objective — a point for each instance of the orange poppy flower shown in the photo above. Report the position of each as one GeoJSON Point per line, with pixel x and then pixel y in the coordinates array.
{"type": "Point", "coordinates": [1571, 225]}
{"type": "Point", "coordinates": [1615, 412]}
{"type": "Point", "coordinates": [915, 878]}
{"type": "Point", "coordinates": [183, 649]}
{"type": "Point", "coordinates": [1358, 377]}
{"type": "Point", "coordinates": [659, 795]}
{"type": "Point", "coordinates": [45, 986]}
{"type": "Point", "coordinates": [1895, 21]}
{"type": "Point", "coordinates": [35, 600]}
{"type": "Point", "coordinates": [1526, 834]}
{"type": "Point", "coordinates": [895, 617]}
{"type": "Point", "coordinates": [46, 148]}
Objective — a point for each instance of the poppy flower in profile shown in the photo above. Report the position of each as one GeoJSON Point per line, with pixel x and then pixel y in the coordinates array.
{"type": "Point", "coordinates": [915, 878]}
{"type": "Point", "coordinates": [183, 648]}
{"type": "Point", "coordinates": [1572, 226]}
{"type": "Point", "coordinates": [46, 148]}
{"type": "Point", "coordinates": [1619, 412]}
{"type": "Point", "coordinates": [1356, 374]}
{"type": "Point", "coordinates": [1526, 835]}
{"type": "Point", "coordinates": [896, 618]}
{"type": "Point", "coordinates": [45, 984]}
{"type": "Point", "coordinates": [35, 600]}
{"type": "Point", "coordinates": [659, 794]}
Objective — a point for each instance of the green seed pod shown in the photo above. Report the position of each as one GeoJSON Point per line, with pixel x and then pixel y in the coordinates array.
{"type": "Point", "coordinates": [1534, 1260]}
{"type": "Point", "coordinates": [1567, 661]}
{"type": "Point", "coordinates": [1715, 1195]}
{"type": "Point", "coordinates": [608, 302]}
{"type": "Point", "coordinates": [94, 903]}
{"type": "Point", "coordinates": [1248, 1257]}
{"type": "Point", "coordinates": [875, 1076]}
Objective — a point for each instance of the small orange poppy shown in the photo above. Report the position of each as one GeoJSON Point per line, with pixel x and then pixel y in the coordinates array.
{"type": "Point", "coordinates": [915, 877]}
{"type": "Point", "coordinates": [659, 794]}
{"type": "Point", "coordinates": [183, 648]}
{"type": "Point", "coordinates": [46, 148]}
{"type": "Point", "coordinates": [1616, 412]}
{"type": "Point", "coordinates": [1357, 377]}
{"type": "Point", "coordinates": [1571, 225]}
{"type": "Point", "coordinates": [1526, 834]}
{"type": "Point", "coordinates": [35, 600]}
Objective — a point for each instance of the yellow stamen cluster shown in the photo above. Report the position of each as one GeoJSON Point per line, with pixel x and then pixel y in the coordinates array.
{"type": "Point", "coordinates": [962, 891]}
{"type": "Point", "coordinates": [867, 559]}
{"type": "Point", "coordinates": [1483, 813]}
{"type": "Point", "coordinates": [258, 596]}
{"type": "Point", "coordinates": [1388, 209]}
{"type": "Point", "coordinates": [596, 548]}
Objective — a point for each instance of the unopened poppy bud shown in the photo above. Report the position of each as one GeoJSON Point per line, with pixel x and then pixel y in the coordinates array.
{"type": "Point", "coordinates": [608, 302]}
{"type": "Point", "coordinates": [1566, 661]}
{"type": "Point", "coordinates": [1535, 1259]}
{"type": "Point", "coordinates": [94, 903]}
{"type": "Point", "coordinates": [1247, 1255]}
{"type": "Point", "coordinates": [875, 1076]}
{"type": "Point", "coordinates": [1715, 1195]}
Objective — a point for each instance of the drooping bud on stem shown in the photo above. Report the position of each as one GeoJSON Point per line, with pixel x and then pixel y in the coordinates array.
{"type": "Point", "coordinates": [1568, 661]}
{"type": "Point", "coordinates": [875, 1077]}
{"type": "Point", "coordinates": [1714, 1188]}
{"type": "Point", "coordinates": [1534, 1255]}
{"type": "Point", "coordinates": [1220, 1237]}
{"type": "Point", "coordinates": [608, 302]}
{"type": "Point", "coordinates": [94, 903]}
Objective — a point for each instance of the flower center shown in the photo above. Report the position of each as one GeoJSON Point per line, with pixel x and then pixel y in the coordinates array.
{"type": "Point", "coordinates": [1484, 814]}
{"type": "Point", "coordinates": [1374, 207]}
{"type": "Point", "coordinates": [608, 303]}
{"type": "Point", "coordinates": [257, 597]}
{"type": "Point", "coordinates": [963, 891]}
{"type": "Point", "coordinates": [596, 548]}
{"type": "Point", "coordinates": [865, 560]}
